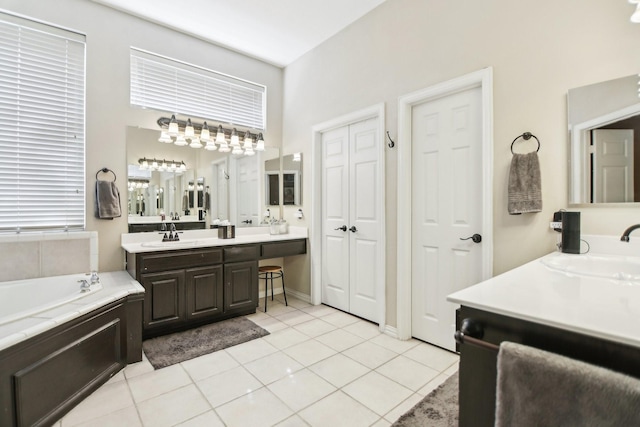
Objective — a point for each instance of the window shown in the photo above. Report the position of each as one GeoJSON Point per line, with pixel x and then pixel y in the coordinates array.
{"type": "Point", "coordinates": [168, 85]}
{"type": "Point", "coordinates": [42, 85]}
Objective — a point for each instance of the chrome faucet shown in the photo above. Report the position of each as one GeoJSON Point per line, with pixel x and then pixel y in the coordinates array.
{"type": "Point", "coordinates": [625, 235]}
{"type": "Point", "coordinates": [94, 278]}
{"type": "Point", "coordinates": [84, 285]}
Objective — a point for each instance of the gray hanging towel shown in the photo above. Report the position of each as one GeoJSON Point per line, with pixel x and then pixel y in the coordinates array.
{"type": "Point", "coordinates": [185, 202]}
{"type": "Point", "coordinates": [107, 200]}
{"type": "Point", "coordinates": [525, 186]}
{"type": "Point", "coordinates": [207, 201]}
{"type": "Point", "coordinates": [538, 388]}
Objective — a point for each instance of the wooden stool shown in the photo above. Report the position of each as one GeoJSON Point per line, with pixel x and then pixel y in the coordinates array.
{"type": "Point", "coordinates": [267, 272]}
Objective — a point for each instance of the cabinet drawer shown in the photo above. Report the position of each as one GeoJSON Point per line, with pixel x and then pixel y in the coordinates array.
{"type": "Point", "coordinates": [281, 249]}
{"type": "Point", "coordinates": [176, 260]}
{"type": "Point", "coordinates": [240, 253]}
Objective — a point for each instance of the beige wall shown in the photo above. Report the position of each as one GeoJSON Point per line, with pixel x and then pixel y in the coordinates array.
{"type": "Point", "coordinates": [109, 35]}
{"type": "Point", "coordinates": [538, 50]}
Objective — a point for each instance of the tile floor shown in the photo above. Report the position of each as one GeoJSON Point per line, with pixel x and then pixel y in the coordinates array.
{"type": "Point", "coordinates": [318, 367]}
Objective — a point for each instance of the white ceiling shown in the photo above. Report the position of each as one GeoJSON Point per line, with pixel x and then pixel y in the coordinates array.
{"type": "Point", "coordinates": [275, 31]}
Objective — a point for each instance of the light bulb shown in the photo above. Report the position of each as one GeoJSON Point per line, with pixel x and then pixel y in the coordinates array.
{"type": "Point", "coordinates": [235, 141]}
{"type": "Point", "coordinates": [260, 143]}
{"type": "Point", "coordinates": [204, 133]}
{"type": "Point", "coordinates": [173, 126]}
{"type": "Point", "coordinates": [224, 148]}
{"type": "Point", "coordinates": [164, 137]}
{"type": "Point", "coordinates": [144, 164]}
{"type": "Point", "coordinates": [183, 167]}
{"type": "Point", "coordinates": [154, 164]}
{"type": "Point", "coordinates": [220, 139]}
{"type": "Point", "coordinates": [297, 157]}
{"type": "Point", "coordinates": [236, 150]}
{"type": "Point", "coordinates": [249, 152]}
{"type": "Point", "coordinates": [180, 141]}
{"type": "Point", "coordinates": [248, 141]}
{"type": "Point", "coordinates": [195, 143]}
{"type": "Point", "coordinates": [635, 18]}
{"type": "Point", "coordinates": [211, 146]}
{"type": "Point", "coordinates": [188, 130]}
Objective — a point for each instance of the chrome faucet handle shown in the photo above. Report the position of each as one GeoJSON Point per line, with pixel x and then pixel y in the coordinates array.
{"type": "Point", "coordinates": [172, 227]}
{"type": "Point", "coordinates": [84, 285]}
{"type": "Point", "coordinates": [94, 278]}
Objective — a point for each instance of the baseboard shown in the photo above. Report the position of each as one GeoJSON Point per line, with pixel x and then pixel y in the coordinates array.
{"type": "Point", "coordinates": [392, 331]}
{"type": "Point", "coordinates": [299, 295]}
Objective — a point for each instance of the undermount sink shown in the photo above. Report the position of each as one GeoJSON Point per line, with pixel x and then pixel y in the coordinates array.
{"type": "Point", "coordinates": [618, 267]}
{"type": "Point", "coordinates": [172, 244]}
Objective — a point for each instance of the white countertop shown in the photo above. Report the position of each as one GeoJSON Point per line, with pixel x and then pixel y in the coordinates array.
{"type": "Point", "coordinates": [139, 242]}
{"type": "Point", "coordinates": [598, 307]}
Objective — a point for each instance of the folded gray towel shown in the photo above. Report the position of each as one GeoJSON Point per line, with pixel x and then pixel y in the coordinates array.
{"type": "Point", "coordinates": [538, 388]}
{"type": "Point", "coordinates": [525, 187]}
{"type": "Point", "coordinates": [107, 200]}
{"type": "Point", "coordinates": [185, 202]}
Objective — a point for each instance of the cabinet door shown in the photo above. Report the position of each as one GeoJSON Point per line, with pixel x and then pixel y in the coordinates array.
{"type": "Point", "coordinates": [204, 292]}
{"type": "Point", "coordinates": [241, 286]}
{"type": "Point", "coordinates": [163, 298]}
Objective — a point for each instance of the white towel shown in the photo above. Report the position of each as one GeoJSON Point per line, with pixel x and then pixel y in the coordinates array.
{"type": "Point", "coordinates": [107, 200]}
{"type": "Point", "coordinates": [538, 388]}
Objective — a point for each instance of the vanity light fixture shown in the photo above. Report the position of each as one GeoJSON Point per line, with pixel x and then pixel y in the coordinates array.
{"type": "Point", "coordinates": [635, 18]}
{"type": "Point", "coordinates": [297, 157]}
{"type": "Point", "coordinates": [198, 135]}
{"type": "Point", "coordinates": [162, 165]}
{"type": "Point", "coordinates": [134, 184]}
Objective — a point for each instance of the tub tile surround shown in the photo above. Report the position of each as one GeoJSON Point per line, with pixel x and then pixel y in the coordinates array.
{"type": "Point", "coordinates": [275, 381]}
{"type": "Point", "coordinates": [115, 285]}
{"type": "Point", "coordinates": [33, 255]}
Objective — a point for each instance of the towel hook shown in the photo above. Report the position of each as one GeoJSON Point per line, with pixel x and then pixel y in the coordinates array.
{"type": "Point", "coordinates": [105, 170]}
{"type": "Point", "coordinates": [391, 143]}
{"type": "Point", "coordinates": [526, 136]}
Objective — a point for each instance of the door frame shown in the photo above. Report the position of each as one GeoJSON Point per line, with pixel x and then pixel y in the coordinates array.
{"type": "Point", "coordinates": [315, 232]}
{"type": "Point", "coordinates": [483, 79]}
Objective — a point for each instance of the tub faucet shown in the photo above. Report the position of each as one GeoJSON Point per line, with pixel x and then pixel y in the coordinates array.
{"type": "Point", "coordinates": [84, 285]}
{"type": "Point", "coordinates": [625, 235]}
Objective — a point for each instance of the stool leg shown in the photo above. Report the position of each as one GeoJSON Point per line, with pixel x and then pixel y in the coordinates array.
{"type": "Point", "coordinates": [271, 286]}
{"type": "Point", "coordinates": [283, 291]}
{"type": "Point", "coordinates": [266, 280]}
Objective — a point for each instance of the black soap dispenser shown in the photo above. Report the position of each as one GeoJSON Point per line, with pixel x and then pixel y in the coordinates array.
{"type": "Point", "coordinates": [570, 232]}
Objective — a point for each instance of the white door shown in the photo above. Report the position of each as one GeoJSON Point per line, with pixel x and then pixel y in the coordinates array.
{"type": "Point", "coordinates": [612, 165]}
{"type": "Point", "coordinates": [351, 215]}
{"type": "Point", "coordinates": [447, 199]}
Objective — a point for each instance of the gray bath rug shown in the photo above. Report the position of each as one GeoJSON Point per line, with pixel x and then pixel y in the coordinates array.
{"type": "Point", "coordinates": [438, 409]}
{"type": "Point", "coordinates": [174, 348]}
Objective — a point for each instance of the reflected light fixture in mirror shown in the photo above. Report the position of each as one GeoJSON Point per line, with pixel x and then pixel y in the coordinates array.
{"type": "Point", "coordinates": [194, 134]}
{"type": "Point", "coordinates": [164, 165]}
{"type": "Point", "coordinates": [635, 18]}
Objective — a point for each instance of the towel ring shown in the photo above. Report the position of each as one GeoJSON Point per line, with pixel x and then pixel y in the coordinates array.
{"type": "Point", "coordinates": [105, 170]}
{"type": "Point", "coordinates": [526, 136]}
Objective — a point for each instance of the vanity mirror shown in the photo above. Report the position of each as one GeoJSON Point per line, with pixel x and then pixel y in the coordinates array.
{"type": "Point", "coordinates": [209, 185]}
{"type": "Point", "coordinates": [292, 179]}
{"type": "Point", "coordinates": [604, 138]}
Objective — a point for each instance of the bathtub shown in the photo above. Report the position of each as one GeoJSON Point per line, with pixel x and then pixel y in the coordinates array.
{"type": "Point", "coordinates": [52, 333]}
{"type": "Point", "coordinates": [25, 298]}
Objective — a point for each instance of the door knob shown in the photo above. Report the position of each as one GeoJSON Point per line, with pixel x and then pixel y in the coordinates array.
{"type": "Point", "coordinates": [343, 228]}
{"type": "Point", "coordinates": [353, 229]}
{"type": "Point", "coordinates": [476, 238]}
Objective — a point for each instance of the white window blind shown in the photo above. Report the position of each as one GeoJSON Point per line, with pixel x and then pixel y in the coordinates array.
{"type": "Point", "coordinates": [42, 92]}
{"type": "Point", "coordinates": [167, 85]}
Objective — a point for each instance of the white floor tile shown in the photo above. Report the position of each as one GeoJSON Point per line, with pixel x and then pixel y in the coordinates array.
{"type": "Point", "coordinates": [309, 352]}
{"type": "Point", "coordinates": [173, 408]}
{"type": "Point", "coordinates": [394, 344]}
{"type": "Point", "coordinates": [301, 389]}
{"type": "Point", "coordinates": [377, 392]}
{"type": "Point", "coordinates": [271, 324]}
{"type": "Point", "coordinates": [370, 355]}
{"type": "Point", "coordinates": [315, 327]}
{"type": "Point", "coordinates": [124, 417]}
{"type": "Point", "coordinates": [285, 338]}
{"type": "Point", "coordinates": [338, 409]}
{"type": "Point", "coordinates": [256, 409]}
{"type": "Point", "coordinates": [208, 365]}
{"type": "Point", "coordinates": [381, 423]}
{"type": "Point", "coordinates": [138, 368]}
{"type": "Point", "coordinates": [403, 407]}
{"type": "Point", "coordinates": [276, 309]}
{"type": "Point", "coordinates": [407, 372]}
{"type": "Point", "coordinates": [273, 367]}
{"type": "Point", "coordinates": [433, 384]}
{"type": "Point", "coordinates": [107, 399]}
{"type": "Point", "coordinates": [158, 382]}
{"type": "Point", "coordinates": [251, 350]}
{"type": "Point", "coordinates": [339, 370]}
{"type": "Point", "coordinates": [228, 385]}
{"type": "Point", "coordinates": [340, 319]}
{"type": "Point", "coordinates": [432, 356]}
{"type": "Point", "coordinates": [319, 310]}
{"type": "Point", "coordinates": [208, 419]}
{"type": "Point", "coordinates": [295, 302]}
{"type": "Point", "coordinates": [294, 317]}
{"type": "Point", "coordinates": [365, 330]}
{"type": "Point", "coordinates": [340, 340]}
{"type": "Point", "coordinates": [117, 377]}
{"type": "Point", "coordinates": [292, 421]}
